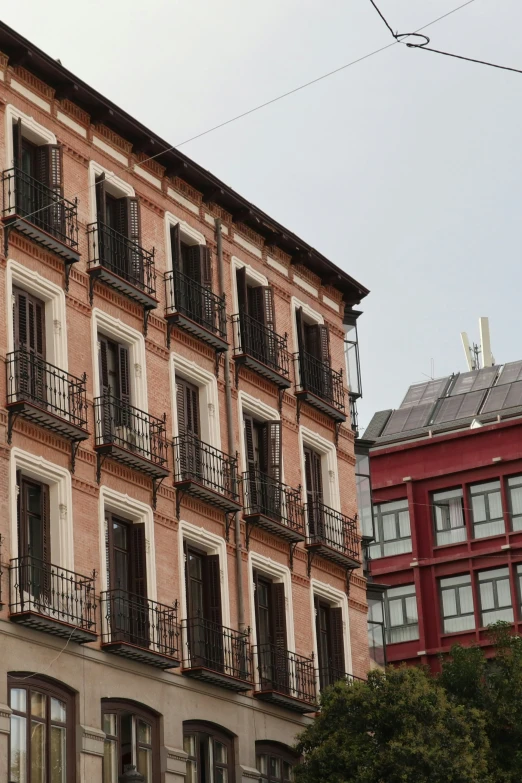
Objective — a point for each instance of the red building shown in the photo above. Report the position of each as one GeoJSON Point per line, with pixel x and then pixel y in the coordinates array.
{"type": "Point", "coordinates": [446, 471]}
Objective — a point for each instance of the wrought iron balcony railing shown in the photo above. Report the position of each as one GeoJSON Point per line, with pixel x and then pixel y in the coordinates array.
{"type": "Point", "coordinates": [196, 309]}
{"type": "Point", "coordinates": [53, 599]}
{"type": "Point", "coordinates": [261, 349]}
{"type": "Point", "coordinates": [130, 435]}
{"type": "Point", "coordinates": [122, 263]}
{"type": "Point", "coordinates": [138, 628]}
{"type": "Point", "coordinates": [332, 534]}
{"type": "Point", "coordinates": [45, 394]}
{"type": "Point", "coordinates": [286, 678]}
{"type": "Point", "coordinates": [25, 198]}
{"type": "Point", "coordinates": [320, 386]}
{"type": "Point", "coordinates": [204, 471]}
{"type": "Point", "coordinates": [217, 654]}
{"type": "Point", "coordinates": [329, 675]}
{"type": "Point", "coordinates": [272, 505]}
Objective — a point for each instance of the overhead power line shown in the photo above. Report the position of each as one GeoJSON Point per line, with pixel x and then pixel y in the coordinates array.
{"type": "Point", "coordinates": [423, 45]}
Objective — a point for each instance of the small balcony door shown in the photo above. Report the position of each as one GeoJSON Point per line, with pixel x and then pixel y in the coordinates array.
{"type": "Point", "coordinates": [330, 642]}
{"type": "Point", "coordinates": [270, 611]}
{"type": "Point", "coordinates": [34, 538]}
{"type": "Point", "coordinates": [256, 319]}
{"type": "Point", "coordinates": [187, 408]}
{"type": "Point", "coordinates": [204, 618]}
{"type": "Point", "coordinates": [115, 389]}
{"type": "Point", "coordinates": [29, 343]}
{"type": "Point", "coordinates": [127, 580]}
{"type": "Point", "coordinates": [192, 265]}
{"type": "Point", "coordinates": [119, 233]}
{"type": "Point", "coordinates": [314, 356]}
{"type": "Point", "coordinates": [314, 491]}
{"type": "Point", "coordinates": [263, 450]}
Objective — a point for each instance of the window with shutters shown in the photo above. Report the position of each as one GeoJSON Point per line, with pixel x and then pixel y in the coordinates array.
{"type": "Point", "coordinates": [329, 634]}
{"type": "Point", "coordinates": [204, 607]}
{"type": "Point", "coordinates": [271, 633]}
{"type": "Point", "coordinates": [131, 737]}
{"type": "Point", "coordinates": [41, 737]}
{"type": "Point", "coordinates": [34, 537]}
{"type": "Point", "coordinates": [210, 753]}
{"type": "Point", "coordinates": [275, 762]}
{"type": "Point", "coordinates": [263, 458]}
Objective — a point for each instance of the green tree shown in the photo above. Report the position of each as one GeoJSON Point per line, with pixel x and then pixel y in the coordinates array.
{"type": "Point", "coordinates": [494, 687]}
{"type": "Point", "coordinates": [398, 727]}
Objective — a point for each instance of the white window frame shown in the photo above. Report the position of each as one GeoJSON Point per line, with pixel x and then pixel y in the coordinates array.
{"type": "Point", "coordinates": [20, 276]}
{"type": "Point", "coordinates": [31, 130]}
{"type": "Point", "coordinates": [134, 340]}
{"type": "Point", "coordinates": [277, 573]}
{"type": "Point", "coordinates": [116, 186]}
{"type": "Point", "coordinates": [58, 480]}
{"type": "Point", "coordinates": [336, 599]}
{"type": "Point", "coordinates": [208, 398]}
{"type": "Point", "coordinates": [329, 466]}
{"type": "Point", "coordinates": [212, 544]}
{"type": "Point", "coordinates": [261, 411]}
{"type": "Point", "coordinates": [136, 512]}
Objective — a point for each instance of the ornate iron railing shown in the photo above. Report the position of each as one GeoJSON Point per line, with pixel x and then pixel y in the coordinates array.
{"type": "Point", "coordinates": [45, 208]}
{"type": "Point", "coordinates": [122, 257]}
{"type": "Point", "coordinates": [318, 378]}
{"type": "Point", "coordinates": [197, 461]}
{"type": "Point", "coordinates": [286, 672]}
{"type": "Point", "coordinates": [212, 646]}
{"type": "Point", "coordinates": [261, 343]}
{"type": "Point", "coordinates": [53, 592]}
{"type": "Point", "coordinates": [130, 428]}
{"type": "Point", "coordinates": [335, 530]}
{"type": "Point", "coordinates": [265, 496]}
{"type": "Point", "coordinates": [329, 675]}
{"type": "Point", "coordinates": [31, 379]}
{"type": "Point", "coordinates": [189, 298]}
{"type": "Point", "coordinates": [133, 619]}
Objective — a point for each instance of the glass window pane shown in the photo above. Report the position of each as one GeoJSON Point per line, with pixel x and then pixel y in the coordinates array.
{"type": "Point", "coordinates": [287, 772]}
{"type": "Point", "coordinates": [516, 500]}
{"type": "Point", "coordinates": [479, 508]}
{"type": "Point", "coordinates": [38, 704]}
{"type": "Point", "coordinates": [189, 744]}
{"type": "Point", "coordinates": [275, 767]}
{"type": "Point", "coordinates": [18, 699]}
{"type": "Point", "coordinates": [395, 610]}
{"type": "Point", "coordinates": [503, 592]}
{"type": "Point", "coordinates": [220, 752]}
{"type": "Point", "coordinates": [262, 764]}
{"type": "Point", "coordinates": [37, 752]}
{"type": "Point", "coordinates": [144, 732]}
{"type": "Point", "coordinates": [411, 609]}
{"type": "Point", "coordinates": [389, 529]}
{"type": "Point", "coordinates": [486, 595]}
{"type": "Point", "coordinates": [495, 505]}
{"type": "Point", "coordinates": [395, 592]}
{"type": "Point", "coordinates": [404, 524]}
{"type": "Point", "coordinates": [110, 762]}
{"type": "Point", "coordinates": [220, 775]}
{"type": "Point", "coordinates": [18, 749]}
{"type": "Point", "coordinates": [191, 773]}
{"type": "Point", "coordinates": [449, 603]}
{"type": "Point", "coordinates": [451, 581]}
{"type": "Point", "coordinates": [58, 757]}
{"type": "Point", "coordinates": [110, 724]}
{"type": "Point", "coordinates": [489, 486]}
{"type": "Point", "coordinates": [58, 711]}
{"type": "Point", "coordinates": [145, 763]}
{"type": "Point", "coordinates": [466, 599]}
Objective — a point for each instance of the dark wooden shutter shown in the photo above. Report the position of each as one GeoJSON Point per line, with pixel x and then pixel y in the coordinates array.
{"type": "Point", "coordinates": [139, 559]}
{"type": "Point", "coordinates": [272, 447]}
{"type": "Point", "coordinates": [323, 343]}
{"type": "Point", "coordinates": [123, 374]}
{"type": "Point", "coordinates": [20, 314]}
{"type": "Point", "coordinates": [133, 233]}
{"type": "Point", "coordinates": [17, 143]}
{"type": "Point", "coordinates": [187, 403]}
{"type": "Point", "coordinates": [175, 242]}
{"type": "Point", "coordinates": [248, 423]}
{"type": "Point", "coordinates": [335, 617]}
{"type": "Point", "coordinates": [300, 327]}
{"type": "Point", "coordinates": [20, 521]}
{"type": "Point", "coordinates": [212, 589]}
{"type": "Point", "coordinates": [192, 259]}
{"type": "Point", "coordinates": [267, 304]}
{"type": "Point", "coordinates": [279, 656]}
{"type": "Point", "coordinates": [255, 303]}
{"type": "Point", "coordinates": [46, 540]}
{"type": "Point", "coordinates": [55, 182]}
{"type": "Point", "coordinates": [29, 323]}
{"type": "Point", "coordinates": [242, 293]}
{"type": "Point", "coordinates": [104, 365]}
{"type": "Point", "coordinates": [101, 199]}
{"type": "Point", "coordinates": [206, 267]}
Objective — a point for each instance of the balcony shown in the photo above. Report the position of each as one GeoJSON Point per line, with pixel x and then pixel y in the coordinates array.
{"type": "Point", "coordinates": [286, 679]}
{"type": "Point", "coordinates": [329, 675]}
{"type": "Point", "coordinates": [195, 309]}
{"type": "Point", "coordinates": [130, 436]}
{"type": "Point", "coordinates": [206, 473]}
{"type": "Point", "coordinates": [42, 214]}
{"type": "Point", "coordinates": [320, 386]}
{"type": "Point", "coordinates": [140, 629]}
{"type": "Point", "coordinates": [122, 264]}
{"type": "Point", "coordinates": [332, 535]}
{"type": "Point", "coordinates": [44, 394]}
{"type": "Point", "coordinates": [261, 350]}
{"type": "Point", "coordinates": [218, 655]}
{"type": "Point", "coordinates": [48, 598]}
{"type": "Point", "coordinates": [273, 506]}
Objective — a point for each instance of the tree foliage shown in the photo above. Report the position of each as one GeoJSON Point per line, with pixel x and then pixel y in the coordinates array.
{"type": "Point", "coordinates": [398, 727]}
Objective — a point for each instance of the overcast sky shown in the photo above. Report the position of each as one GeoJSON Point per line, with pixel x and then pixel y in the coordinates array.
{"type": "Point", "coordinates": [404, 169]}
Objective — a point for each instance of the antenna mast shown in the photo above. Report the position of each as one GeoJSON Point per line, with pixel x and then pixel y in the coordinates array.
{"type": "Point", "coordinates": [478, 355]}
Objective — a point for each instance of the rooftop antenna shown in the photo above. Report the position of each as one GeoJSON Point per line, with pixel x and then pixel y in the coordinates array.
{"type": "Point", "coordinates": [485, 341]}
{"type": "Point", "coordinates": [468, 353]}
{"type": "Point", "coordinates": [478, 356]}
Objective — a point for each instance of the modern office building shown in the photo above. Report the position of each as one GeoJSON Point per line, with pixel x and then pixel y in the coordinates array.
{"type": "Point", "coordinates": [180, 554]}
{"type": "Point", "coordinates": [446, 473]}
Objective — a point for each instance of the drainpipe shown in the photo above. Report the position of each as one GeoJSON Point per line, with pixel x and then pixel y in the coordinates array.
{"type": "Point", "coordinates": [231, 441]}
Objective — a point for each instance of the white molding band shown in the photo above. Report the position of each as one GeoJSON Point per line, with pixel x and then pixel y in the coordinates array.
{"type": "Point", "coordinates": [339, 599]}
{"type": "Point", "coordinates": [115, 185]}
{"type": "Point", "coordinates": [31, 129]}
{"type": "Point", "coordinates": [189, 235]}
{"type": "Point", "coordinates": [208, 397]}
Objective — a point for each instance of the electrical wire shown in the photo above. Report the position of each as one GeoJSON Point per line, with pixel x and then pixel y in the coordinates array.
{"type": "Point", "coordinates": [269, 102]}
{"type": "Point", "coordinates": [48, 667]}
{"type": "Point", "coordinates": [424, 44]}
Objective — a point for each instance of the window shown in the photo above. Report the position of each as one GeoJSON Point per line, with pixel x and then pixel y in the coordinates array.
{"type": "Point", "coordinates": [132, 737]}
{"type": "Point", "coordinates": [351, 347]}
{"type": "Point", "coordinates": [457, 604]}
{"type": "Point", "coordinates": [256, 319]}
{"type": "Point", "coordinates": [210, 754]}
{"type": "Point", "coordinates": [204, 608]}
{"type": "Point", "coordinates": [495, 596]}
{"type": "Point", "coordinates": [275, 762]}
{"type": "Point", "coordinates": [313, 342]}
{"type": "Point", "coordinates": [376, 630]}
{"type": "Point", "coordinates": [448, 510]}
{"type": "Point", "coordinates": [392, 529]}
{"type": "Point", "coordinates": [364, 493]}
{"type": "Point", "coordinates": [271, 634]}
{"type": "Point", "coordinates": [42, 731]}
{"type": "Point", "coordinates": [515, 501]}
{"type": "Point", "coordinates": [192, 279]}
{"type": "Point", "coordinates": [486, 506]}
{"type": "Point", "coordinates": [329, 635]}
{"type": "Point", "coordinates": [401, 614]}
{"type": "Point", "coordinates": [34, 537]}
{"type": "Point", "coordinates": [263, 451]}
{"type": "Point", "coordinates": [114, 369]}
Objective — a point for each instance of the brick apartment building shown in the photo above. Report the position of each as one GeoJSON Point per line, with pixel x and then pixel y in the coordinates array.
{"type": "Point", "coordinates": [446, 472]}
{"type": "Point", "coordinates": [180, 554]}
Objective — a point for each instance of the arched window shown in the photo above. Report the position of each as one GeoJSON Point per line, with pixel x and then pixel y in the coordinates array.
{"type": "Point", "coordinates": [275, 762]}
{"type": "Point", "coordinates": [131, 737]}
{"type": "Point", "coordinates": [41, 744]}
{"type": "Point", "coordinates": [210, 751]}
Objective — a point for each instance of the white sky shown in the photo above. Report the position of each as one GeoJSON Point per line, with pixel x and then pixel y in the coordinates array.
{"type": "Point", "coordinates": [403, 169]}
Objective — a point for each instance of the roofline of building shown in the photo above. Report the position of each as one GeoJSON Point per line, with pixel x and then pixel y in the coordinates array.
{"type": "Point", "coordinates": [66, 85]}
